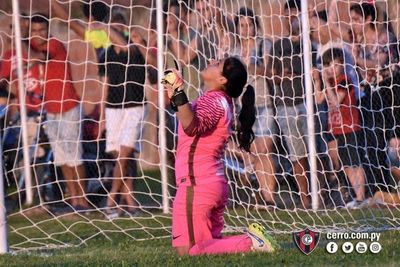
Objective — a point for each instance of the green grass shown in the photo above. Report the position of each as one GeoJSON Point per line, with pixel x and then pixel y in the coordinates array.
{"type": "Point", "coordinates": [118, 244]}
{"type": "Point", "coordinates": [41, 239]}
{"type": "Point", "coordinates": [125, 252]}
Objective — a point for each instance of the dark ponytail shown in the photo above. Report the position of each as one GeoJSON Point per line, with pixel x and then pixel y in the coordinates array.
{"type": "Point", "coordinates": [236, 74]}
{"type": "Point", "coordinates": [247, 117]}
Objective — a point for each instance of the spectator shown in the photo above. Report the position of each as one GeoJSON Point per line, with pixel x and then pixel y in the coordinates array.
{"type": "Point", "coordinates": [324, 38]}
{"type": "Point", "coordinates": [344, 121]}
{"type": "Point", "coordinates": [95, 11]}
{"type": "Point", "coordinates": [212, 37]}
{"type": "Point", "coordinates": [376, 55]}
{"type": "Point", "coordinates": [33, 78]}
{"type": "Point", "coordinates": [254, 52]}
{"type": "Point", "coordinates": [33, 69]}
{"type": "Point", "coordinates": [178, 37]}
{"type": "Point", "coordinates": [381, 118]}
{"type": "Point", "coordinates": [98, 34]}
{"type": "Point", "coordinates": [63, 110]}
{"type": "Point", "coordinates": [336, 25]}
{"type": "Point", "coordinates": [287, 67]}
{"type": "Point", "coordinates": [393, 196]}
{"type": "Point", "coordinates": [124, 111]}
{"type": "Point", "coordinates": [120, 22]}
{"type": "Point", "coordinates": [374, 46]}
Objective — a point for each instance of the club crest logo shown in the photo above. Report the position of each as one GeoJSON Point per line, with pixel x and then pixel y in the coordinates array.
{"type": "Point", "coordinates": [306, 240]}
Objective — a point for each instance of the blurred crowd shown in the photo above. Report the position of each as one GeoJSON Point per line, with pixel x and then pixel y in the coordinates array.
{"type": "Point", "coordinates": [355, 79]}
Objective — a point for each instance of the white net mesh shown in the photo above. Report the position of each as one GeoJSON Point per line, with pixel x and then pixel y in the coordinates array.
{"type": "Point", "coordinates": [98, 71]}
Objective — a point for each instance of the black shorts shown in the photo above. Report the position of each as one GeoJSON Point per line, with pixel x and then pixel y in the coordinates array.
{"type": "Point", "coordinates": [351, 149]}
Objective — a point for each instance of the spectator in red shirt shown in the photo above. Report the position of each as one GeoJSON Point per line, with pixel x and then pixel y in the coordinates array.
{"type": "Point", "coordinates": [344, 121]}
{"type": "Point", "coordinates": [63, 110]}
{"type": "Point", "coordinates": [33, 72]}
{"type": "Point", "coordinates": [32, 68]}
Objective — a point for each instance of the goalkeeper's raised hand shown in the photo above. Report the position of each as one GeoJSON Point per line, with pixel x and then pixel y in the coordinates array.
{"type": "Point", "coordinates": [172, 81]}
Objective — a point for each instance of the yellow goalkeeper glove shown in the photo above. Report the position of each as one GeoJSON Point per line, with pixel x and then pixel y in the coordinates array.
{"type": "Point", "coordinates": [172, 80]}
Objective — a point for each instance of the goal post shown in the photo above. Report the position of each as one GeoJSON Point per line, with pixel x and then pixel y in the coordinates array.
{"type": "Point", "coordinates": [161, 108]}
{"type": "Point", "coordinates": [21, 90]}
{"type": "Point", "coordinates": [309, 104]}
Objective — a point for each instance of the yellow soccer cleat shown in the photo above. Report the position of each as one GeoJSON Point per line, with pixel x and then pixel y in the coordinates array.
{"type": "Point", "coordinates": [262, 241]}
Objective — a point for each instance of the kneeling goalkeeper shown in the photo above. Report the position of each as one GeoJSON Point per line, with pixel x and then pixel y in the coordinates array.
{"type": "Point", "coordinates": [202, 189]}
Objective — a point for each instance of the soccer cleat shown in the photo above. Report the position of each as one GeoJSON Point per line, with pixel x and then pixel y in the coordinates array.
{"type": "Point", "coordinates": [262, 241]}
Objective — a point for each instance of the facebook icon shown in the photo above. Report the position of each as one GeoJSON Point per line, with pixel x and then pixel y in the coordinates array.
{"type": "Point", "coordinates": [332, 247]}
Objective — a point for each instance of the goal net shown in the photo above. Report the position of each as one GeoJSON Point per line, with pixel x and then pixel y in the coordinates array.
{"type": "Point", "coordinates": [83, 153]}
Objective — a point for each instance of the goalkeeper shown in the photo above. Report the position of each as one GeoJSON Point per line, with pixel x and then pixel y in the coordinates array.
{"type": "Point", "coordinates": [204, 128]}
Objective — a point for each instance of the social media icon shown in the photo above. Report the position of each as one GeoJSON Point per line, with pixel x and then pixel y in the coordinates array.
{"type": "Point", "coordinates": [375, 247]}
{"type": "Point", "coordinates": [361, 247]}
{"type": "Point", "coordinates": [332, 247]}
{"type": "Point", "coordinates": [347, 247]}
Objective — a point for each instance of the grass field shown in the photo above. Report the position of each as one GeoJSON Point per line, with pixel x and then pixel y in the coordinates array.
{"type": "Point", "coordinates": [78, 240]}
{"type": "Point", "coordinates": [125, 252]}
{"type": "Point", "coordinates": [116, 243]}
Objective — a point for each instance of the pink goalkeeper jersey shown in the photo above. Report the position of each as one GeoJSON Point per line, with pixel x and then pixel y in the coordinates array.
{"type": "Point", "coordinates": [201, 146]}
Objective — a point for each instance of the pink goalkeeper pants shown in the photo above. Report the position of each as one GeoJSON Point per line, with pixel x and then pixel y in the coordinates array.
{"type": "Point", "coordinates": [198, 219]}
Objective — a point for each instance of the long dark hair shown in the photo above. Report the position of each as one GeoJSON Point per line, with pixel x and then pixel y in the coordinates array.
{"type": "Point", "coordinates": [236, 74]}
